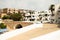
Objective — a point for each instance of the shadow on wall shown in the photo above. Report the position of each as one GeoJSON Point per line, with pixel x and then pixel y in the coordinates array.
{"type": "Point", "coordinates": [18, 26]}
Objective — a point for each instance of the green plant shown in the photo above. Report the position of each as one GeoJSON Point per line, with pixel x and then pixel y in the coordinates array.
{"type": "Point", "coordinates": [16, 17]}
{"type": "Point", "coordinates": [2, 26]}
{"type": "Point", "coordinates": [52, 8]}
{"type": "Point", "coordinates": [6, 17]}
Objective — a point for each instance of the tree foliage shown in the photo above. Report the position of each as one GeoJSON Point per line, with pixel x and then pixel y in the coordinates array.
{"type": "Point", "coordinates": [2, 26]}
{"type": "Point", "coordinates": [6, 17]}
{"type": "Point", "coordinates": [52, 7]}
{"type": "Point", "coordinates": [14, 16]}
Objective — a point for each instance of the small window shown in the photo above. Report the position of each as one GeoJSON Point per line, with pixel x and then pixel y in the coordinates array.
{"type": "Point", "coordinates": [32, 19]}
{"type": "Point", "coordinates": [52, 15]}
{"type": "Point", "coordinates": [13, 12]}
{"type": "Point", "coordinates": [46, 14]}
{"type": "Point", "coordinates": [59, 7]}
{"type": "Point", "coordinates": [40, 18]}
{"type": "Point", "coordinates": [28, 16]}
{"type": "Point", "coordinates": [39, 15]}
{"type": "Point", "coordinates": [58, 17]}
{"type": "Point", "coordinates": [58, 10]}
{"type": "Point", "coordinates": [52, 19]}
{"type": "Point", "coordinates": [46, 19]}
{"type": "Point", "coordinates": [33, 16]}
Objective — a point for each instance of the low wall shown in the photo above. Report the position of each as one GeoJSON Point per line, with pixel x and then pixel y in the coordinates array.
{"type": "Point", "coordinates": [12, 24]}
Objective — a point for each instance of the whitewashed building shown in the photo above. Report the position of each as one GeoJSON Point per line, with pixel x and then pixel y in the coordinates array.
{"type": "Point", "coordinates": [57, 12]}
{"type": "Point", "coordinates": [42, 17]}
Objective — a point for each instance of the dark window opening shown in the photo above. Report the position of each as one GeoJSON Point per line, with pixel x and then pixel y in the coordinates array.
{"type": "Point", "coordinates": [52, 15]}
{"type": "Point", "coordinates": [39, 15]}
{"type": "Point", "coordinates": [13, 12]}
{"type": "Point", "coordinates": [59, 7]}
{"type": "Point", "coordinates": [46, 19]}
{"type": "Point", "coordinates": [46, 15]}
{"type": "Point", "coordinates": [41, 21]}
{"type": "Point", "coordinates": [52, 19]}
{"type": "Point", "coordinates": [40, 18]}
{"type": "Point", "coordinates": [32, 19]}
{"type": "Point", "coordinates": [58, 17]}
{"type": "Point", "coordinates": [28, 16]}
{"type": "Point", "coordinates": [33, 16]}
{"type": "Point", "coordinates": [58, 10]}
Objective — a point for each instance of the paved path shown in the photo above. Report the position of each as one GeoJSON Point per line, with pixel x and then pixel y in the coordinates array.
{"type": "Point", "coordinates": [50, 36]}
{"type": "Point", "coordinates": [19, 31]}
{"type": "Point", "coordinates": [29, 32]}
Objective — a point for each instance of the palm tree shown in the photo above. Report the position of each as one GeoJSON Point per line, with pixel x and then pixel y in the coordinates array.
{"type": "Point", "coordinates": [52, 9]}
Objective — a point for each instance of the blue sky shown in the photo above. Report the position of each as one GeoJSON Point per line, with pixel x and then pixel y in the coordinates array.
{"type": "Point", "coordinates": [27, 4]}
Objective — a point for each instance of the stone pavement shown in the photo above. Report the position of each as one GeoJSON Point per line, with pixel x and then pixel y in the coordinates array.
{"type": "Point", "coordinates": [47, 28]}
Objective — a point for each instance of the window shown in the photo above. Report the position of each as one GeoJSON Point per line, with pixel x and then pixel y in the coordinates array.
{"type": "Point", "coordinates": [58, 10]}
{"type": "Point", "coordinates": [28, 16]}
{"type": "Point", "coordinates": [33, 16]}
{"type": "Point", "coordinates": [46, 19]}
{"type": "Point", "coordinates": [59, 7]}
{"type": "Point", "coordinates": [58, 17]}
{"type": "Point", "coordinates": [46, 14]}
{"type": "Point", "coordinates": [52, 19]}
{"type": "Point", "coordinates": [32, 19]}
{"type": "Point", "coordinates": [52, 15]}
{"type": "Point", "coordinates": [40, 18]}
{"type": "Point", "coordinates": [39, 15]}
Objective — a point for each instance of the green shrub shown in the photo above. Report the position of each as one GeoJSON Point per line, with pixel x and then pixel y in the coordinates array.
{"type": "Point", "coordinates": [16, 17]}
{"type": "Point", "coordinates": [6, 17]}
{"type": "Point", "coordinates": [2, 26]}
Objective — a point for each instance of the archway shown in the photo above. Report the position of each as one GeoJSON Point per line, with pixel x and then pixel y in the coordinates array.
{"type": "Point", "coordinates": [18, 26]}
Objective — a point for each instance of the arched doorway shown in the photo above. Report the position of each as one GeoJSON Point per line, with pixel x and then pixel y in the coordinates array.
{"type": "Point", "coordinates": [18, 26]}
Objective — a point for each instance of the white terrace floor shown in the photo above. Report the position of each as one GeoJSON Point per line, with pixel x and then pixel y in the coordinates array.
{"type": "Point", "coordinates": [50, 36]}
{"type": "Point", "coordinates": [30, 33]}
